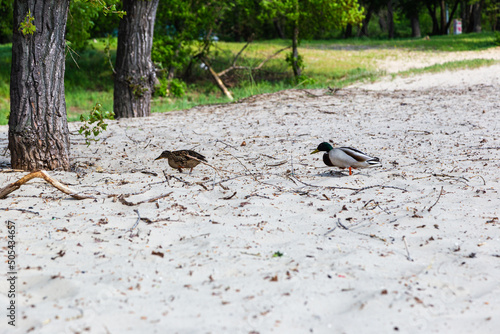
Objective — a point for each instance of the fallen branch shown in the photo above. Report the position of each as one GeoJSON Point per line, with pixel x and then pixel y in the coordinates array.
{"type": "Point", "coordinates": [22, 210]}
{"type": "Point", "coordinates": [229, 197]}
{"type": "Point", "coordinates": [374, 236]}
{"type": "Point", "coordinates": [218, 80]}
{"type": "Point", "coordinates": [43, 175]}
{"type": "Point", "coordinates": [258, 67]}
{"type": "Point", "coordinates": [233, 65]}
{"type": "Point", "coordinates": [378, 186]}
{"type": "Point", "coordinates": [122, 199]}
{"type": "Point", "coordinates": [11, 170]}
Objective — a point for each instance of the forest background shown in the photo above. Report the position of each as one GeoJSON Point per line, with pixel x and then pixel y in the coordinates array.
{"type": "Point", "coordinates": [187, 33]}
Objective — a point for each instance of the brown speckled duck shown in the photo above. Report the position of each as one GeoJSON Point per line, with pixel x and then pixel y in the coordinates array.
{"type": "Point", "coordinates": [182, 159]}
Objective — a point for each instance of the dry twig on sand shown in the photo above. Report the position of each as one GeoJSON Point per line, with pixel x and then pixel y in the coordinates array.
{"type": "Point", "coordinates": [122, 199]}
{"type": "Point", "coordinates": [43, 175]}
{"type": "Point", "coordinates": [440, 193]}
{"type": "Point", "coordinates": [22, 210]}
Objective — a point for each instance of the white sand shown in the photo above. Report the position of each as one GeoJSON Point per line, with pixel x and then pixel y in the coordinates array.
{"type": "Point", "coordinates": [206, 265]}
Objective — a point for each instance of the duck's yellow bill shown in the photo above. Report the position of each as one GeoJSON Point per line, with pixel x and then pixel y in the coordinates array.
{"type": "Point", "coordinates": [315, 151]}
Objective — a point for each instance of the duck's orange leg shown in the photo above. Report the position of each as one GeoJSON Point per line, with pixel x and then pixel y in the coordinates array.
{"type": "Point", "coordinates": [350, 171]}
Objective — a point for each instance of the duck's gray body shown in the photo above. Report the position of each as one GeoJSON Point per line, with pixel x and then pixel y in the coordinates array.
{"type": "Point", "coordinates": [346, 157]}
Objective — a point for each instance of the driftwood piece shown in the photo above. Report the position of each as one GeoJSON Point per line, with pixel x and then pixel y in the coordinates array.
{"type": "Point", "coordinates": [122, 200]}
{"type": "Point", "coordinates": [218, 80]}
{"type": "Point", "coordinates": [42, 175]}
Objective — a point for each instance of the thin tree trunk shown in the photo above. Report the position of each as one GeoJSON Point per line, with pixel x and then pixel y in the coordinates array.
{"type": "Point", "coordinates": [279, 29]}
{"type": "Point", "coordinates": [366, 21]}
{"type": "Point", "coordinates": [390, 19]}
{"type": "Point", "coordinates": [432, 13]}
{"type": "Point", "coordinates": [295, 43]}
{"type": "Point", "coordinates": [348, 31]}
{"type": "Point", "coordinates": [295, 51]}
{"type": "Point", "coordinates": [464, 8]}
{"type": "Point", "coordinates": [452, 13]}
{"type": "Point", "coordinates": [135, 74]}
{"type": "Point", "coordinates": [38, 128]}
{"type": "Point", "coordinates": [415, 25]}
{"type": "Point", "coordinates": [442, 5]}
{"type": "Point", "coordinates": [476, 16]}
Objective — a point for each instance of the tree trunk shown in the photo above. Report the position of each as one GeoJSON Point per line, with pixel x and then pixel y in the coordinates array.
{"type": "Point", "coordinates": [464, 8]}
{"type": "Point", "coordinates": [279, 29]}
{"type": "Point", "coordinates": [476, 17]}
{"type": "Point", "coordinates": [390, 19]}
{"type": "Point", "coordinates": [295, 51]}
{"type": "Point", "coordinates": [135, 74]}
{"type": "Point", "coordinates": [432, 13]}
{"type": "Point", "coordinates": [442, 5]}
{"type": "Point", "coordinates": [348, 31]}
{"type": "Point", "coordinates": [415, 25]}
{"type": "Point", "coordinates": [38, 128]}
{"type": "Point", "coordinates": [366, 21]}
{"type": "Point", "coordinates": [450, 19]}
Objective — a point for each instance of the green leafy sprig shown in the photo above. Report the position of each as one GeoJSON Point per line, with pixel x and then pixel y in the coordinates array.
{"type": "Point", "coordinates": [27, 27]}
{"type": "Point", "coordinates": [97, 117]}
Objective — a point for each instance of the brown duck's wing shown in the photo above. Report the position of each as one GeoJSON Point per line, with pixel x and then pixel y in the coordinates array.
{"type": "Point", "coordinates": [195, 155]}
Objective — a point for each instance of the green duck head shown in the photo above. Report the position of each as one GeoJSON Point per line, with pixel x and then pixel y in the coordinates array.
{"type": "Point", "coordinates": [324, 146]}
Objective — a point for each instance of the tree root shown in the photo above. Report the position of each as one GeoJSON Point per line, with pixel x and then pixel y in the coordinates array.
{"type": "Point", "coordinates": [42, 175]}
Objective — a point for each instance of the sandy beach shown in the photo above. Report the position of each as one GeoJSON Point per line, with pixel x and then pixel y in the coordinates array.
{"type": "Point", "coordinates": [267, 239]}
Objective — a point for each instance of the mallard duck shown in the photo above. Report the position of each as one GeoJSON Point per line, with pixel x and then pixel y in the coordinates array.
{"type": "Point", "coordinates": [346, 157]}
{"type": "Point", "coordinates": [182, 159]}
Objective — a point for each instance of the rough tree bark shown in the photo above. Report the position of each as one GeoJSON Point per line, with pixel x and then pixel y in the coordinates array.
{"type": "Point", "coordinates": [297, 70]}
{"type": "Point", "coordinates": [366, 21]}
{"type": "Point", "coordinates": [431, 8]}
{"type": "Point", "coordinates": [442, 4]}
{"type": "Point", "coordinates": [135, 74]}
{"type": "Point", "coordinates": [390, 19]}
{"type": "Point", "coordinates": [415, 25]}
{"type": "Point", "coordinates": [475, 25]}
{"type": "Point", "coordinates": [38, 128]}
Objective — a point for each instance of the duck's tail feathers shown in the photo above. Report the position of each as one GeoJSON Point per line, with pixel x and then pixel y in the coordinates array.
{"type": "Point", "coordinates": [374, 162]}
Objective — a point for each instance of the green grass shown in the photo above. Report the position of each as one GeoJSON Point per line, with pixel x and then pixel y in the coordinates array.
{"type": "Point", "coordinates": [336, 63]}
{"type": "Point", "coordinates": [463, 42]}
{"type": "Point", "coordinates": [450, 66]}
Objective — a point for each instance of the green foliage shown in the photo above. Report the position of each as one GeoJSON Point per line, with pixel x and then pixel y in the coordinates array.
{"type": "Point", "coordinates": [170, 53]}
{"type": "Point", "coordinates": [497, 38]}
{"type": "Point", "coordinates": [278, 254]}
{"type": "Point", "coordinates": [27, 27]}
{"type": "Point", "coordinates": [6, 18]}
{"type": "Point", "coordinates": [82, 17]}
{"type": "Point", "coordinates": [333, 63]}
{"type": "Point", "coordinates": [173, 88]}
{"type": "Point", "coordinates": [97, 115]}
{"type": "Point", "coordinates": [106, 7]}
{"type": "Point", "coordinates": [314, 15]}
{"type": "Point", "coordinates": [299, 61]}
{"type": "Point", "coordinates": [307, 17]}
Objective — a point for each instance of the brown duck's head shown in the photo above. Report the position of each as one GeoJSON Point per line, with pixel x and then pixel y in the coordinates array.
{"type": "Point", "coordinates": [164, 155]}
